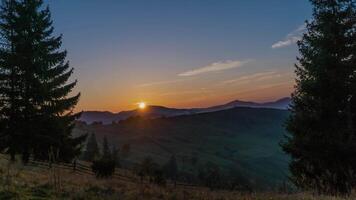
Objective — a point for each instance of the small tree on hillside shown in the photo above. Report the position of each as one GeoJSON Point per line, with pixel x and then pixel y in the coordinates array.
{"type": "Point", "coordinates": [158, 176]}
{"type": "Point", "coordinates": [210, 175]}
{"type": "Point", "coordinates": [115, 156]}
{"type": "Point", "coordinates": [125, 150]}
{"type": "Point", "coordinates": [106, 152]}
{"type": "Point", "coordinates": [104, 167]}
{"type": "Point", "coordinates": [146, 167]}
{"type": "Point", "coordinates": [171, 169]}
{"type": "Point", "coordinates": [92, 149]}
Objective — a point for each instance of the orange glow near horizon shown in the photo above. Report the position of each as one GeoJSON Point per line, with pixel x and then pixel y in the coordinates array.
{"type": "Point", "coordinates": [190, 93]}
{"type": "Point", "coordinates": [189, 101]}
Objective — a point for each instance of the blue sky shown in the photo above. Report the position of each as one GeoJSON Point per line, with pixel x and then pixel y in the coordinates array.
{"type": "Point", "coordinates": [180, 53]}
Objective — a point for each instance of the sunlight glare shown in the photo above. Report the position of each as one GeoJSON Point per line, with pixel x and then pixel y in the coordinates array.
{"type": "Point", "coordinates": [142, 105]}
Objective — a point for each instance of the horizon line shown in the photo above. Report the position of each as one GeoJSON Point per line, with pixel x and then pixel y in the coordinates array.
{"type": "Point", "coordinates": [153, 105]}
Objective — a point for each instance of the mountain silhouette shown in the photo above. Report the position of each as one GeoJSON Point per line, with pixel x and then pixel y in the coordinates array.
{"type": "Point", "coordinates": [160, 111]}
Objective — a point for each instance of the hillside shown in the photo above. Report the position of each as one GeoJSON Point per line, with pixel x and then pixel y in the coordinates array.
{"type": "Point", "coordinates": [35, 183]}
{"type": "Point", "coordinates": [243, 142]}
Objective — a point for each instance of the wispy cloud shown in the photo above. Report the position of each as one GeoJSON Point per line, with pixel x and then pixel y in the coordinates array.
{"type": "Point", "coordinates": [185, 92]}
{"type": "Point", "coordinates": [214, 67]}
{"type": "Point", "coordinates": [160, 83]}
{"type": "Point", "coordinates": [288, 83]}
{"type": "Point", "coordinates": [291, 38]}
{"type": "Point", "coordinates": [263, 88]}
{"type": "Point", "coordinates": [253, 77]}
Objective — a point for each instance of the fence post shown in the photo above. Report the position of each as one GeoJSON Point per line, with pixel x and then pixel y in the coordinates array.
{"type": "Point", "coordinates": [74, 164]}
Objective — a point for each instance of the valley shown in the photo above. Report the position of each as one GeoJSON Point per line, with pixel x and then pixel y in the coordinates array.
{"type": "Point", "coordinates": [243, 142]}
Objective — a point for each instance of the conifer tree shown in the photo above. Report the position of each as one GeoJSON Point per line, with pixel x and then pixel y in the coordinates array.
{"type": "Point", "coordinates": [147, 166]}
{"type": "Point", "coordinates": [171, 169]}
{"type": "Point", "coordinates": [322, 139]}
{"type": "Point", "coordinates": [106, 150]}
{"type": "Point", "coordinates": [125, 150]}
{"type": "Point", "coordinates": [115, 156]}
{"type": "Point", "coordinates": [10, 85]}
{"type": "Point", "coordinates": [46, 111]}
{"type": "Point", "coordinates": [92, 150]}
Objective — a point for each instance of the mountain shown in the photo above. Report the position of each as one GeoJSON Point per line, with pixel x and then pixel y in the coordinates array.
{"type": "Point", "coordinates": [159, 111]}
{"type": "Point", "coordinates": [99, 116]}
{"type": "Point", "coordinates": [282, 104]}
{"type": "Point", "coordinates": [149, 112]}
{"type": "Point", "coordinates": [242, 141]}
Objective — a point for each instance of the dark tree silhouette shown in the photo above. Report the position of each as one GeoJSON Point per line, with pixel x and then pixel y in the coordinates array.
{"type": "Point", "coordinates": [92, 150]}
{"type": "Point", "coordinates": [125, 150]}
{"type": "Point", "coordinates": [10, 85]}
{"type": "Point", "coordinates": [210, 175]}
{"type": "Point", "coordinates": [171, 169]}
{"type": "Point", "coordinates": [146, 167]}
{"type": "Point", "coordinates": [106, 153]}
{"type": "Point", "coordinates": [322, 139]}
{"type": "Point", "coordinates": [36, 74]}
{"type": "Point", "coordinates": [104, 167]}
{"type": "Point", "coordinates": [115, 156]}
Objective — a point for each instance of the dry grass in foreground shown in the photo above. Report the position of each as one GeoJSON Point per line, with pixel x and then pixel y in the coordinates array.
{"type": "Point", "coordinates": [19, 182]}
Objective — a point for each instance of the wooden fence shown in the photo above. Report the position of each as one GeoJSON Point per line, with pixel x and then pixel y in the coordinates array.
{"type": "Point", "coordinates": [84, 168]}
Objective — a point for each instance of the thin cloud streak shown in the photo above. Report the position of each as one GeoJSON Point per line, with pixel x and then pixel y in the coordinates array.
{"type": "Point", "coordinates": [159, 83]}
{"type": "Point", "coordinates": [291, 38]}
{"type": "Point", "coordinates": [214, 67]}
{"type": "Point", "coordinates": [178, 93]}
{"type": "Point", "coordinates": [254, 90]}
{"type": "Point", "coordinates": [253, 77]}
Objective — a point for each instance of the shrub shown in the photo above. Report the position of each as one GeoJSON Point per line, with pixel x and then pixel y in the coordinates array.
{"type": "Point", "coordinates": [159, 178]}
{"type": "Point", "coordinates": [210, 176]}
{"type": "Point", "coordinates": [103, 168]}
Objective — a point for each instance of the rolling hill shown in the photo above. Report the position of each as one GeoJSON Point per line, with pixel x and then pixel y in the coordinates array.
{"type": "Point", "coordinates": [242, 141]}
{"type": "Point", "coordinates": [159, 111]}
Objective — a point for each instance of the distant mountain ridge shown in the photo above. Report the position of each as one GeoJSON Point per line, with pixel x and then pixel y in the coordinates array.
{"type": "Point", "coordinates": [107, 117]}
{"type": "Point", "coordinates": [281, 104]}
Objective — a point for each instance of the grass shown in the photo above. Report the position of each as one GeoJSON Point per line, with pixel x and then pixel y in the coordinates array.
{"type": "Point", "coordinates": [32, 183]}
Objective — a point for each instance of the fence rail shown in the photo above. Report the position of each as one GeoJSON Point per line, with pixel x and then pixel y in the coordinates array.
{"type": "Point", "coordinates": [82, 168]}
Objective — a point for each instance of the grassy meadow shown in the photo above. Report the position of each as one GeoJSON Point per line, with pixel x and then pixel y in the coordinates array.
{"type": "Point", "coordinates": [36, 183]}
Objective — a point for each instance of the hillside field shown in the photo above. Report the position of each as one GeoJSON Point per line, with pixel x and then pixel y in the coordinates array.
{"type": "Point", "coordinates": [243, 142]}
{"type": "Point", "coordinates": [20, 182]}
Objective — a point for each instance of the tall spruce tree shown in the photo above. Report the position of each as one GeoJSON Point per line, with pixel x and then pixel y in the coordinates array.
{"type": "Point", "coordinates": [322, 139]}
{"type": "Point", "coordinates": [46, 111]}
{"type": "Point", "coordinates": [10, 84]}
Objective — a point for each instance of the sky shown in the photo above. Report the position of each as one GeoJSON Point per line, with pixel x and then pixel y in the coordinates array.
{"type": "Point", "coordinates": [180, 53]}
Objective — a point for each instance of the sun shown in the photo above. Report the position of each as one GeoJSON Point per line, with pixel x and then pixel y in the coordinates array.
{"type": "Point", "coordinates": [142, 105]}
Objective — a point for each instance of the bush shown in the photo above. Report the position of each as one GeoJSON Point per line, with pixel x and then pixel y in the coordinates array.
{"type": "Point", "coordinates": [210, 176]}
{"type": "Point", "coordinates": [103, 168]}
{"type": "Point", "coordinates": [159, 178]}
